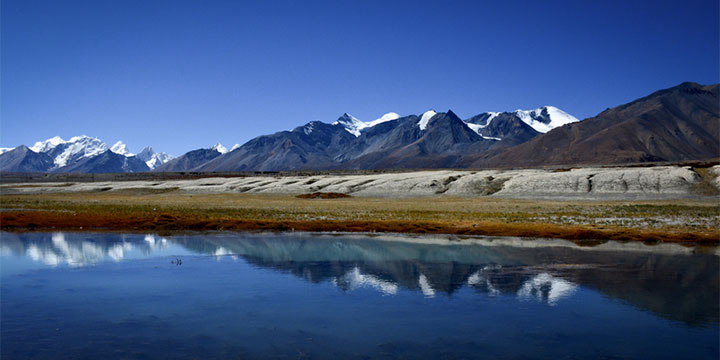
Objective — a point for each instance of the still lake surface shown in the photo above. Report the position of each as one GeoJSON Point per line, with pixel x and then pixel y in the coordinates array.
{"type": "Point", "coordinates": [296, 296]}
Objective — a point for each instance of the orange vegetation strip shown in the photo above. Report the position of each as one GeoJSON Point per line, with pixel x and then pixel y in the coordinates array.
{"type": "Point", "coordinates": [65, 220]}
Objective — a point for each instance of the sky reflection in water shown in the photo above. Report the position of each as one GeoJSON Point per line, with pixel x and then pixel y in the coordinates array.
{"type": "Point", "coordinates": [295, 295]}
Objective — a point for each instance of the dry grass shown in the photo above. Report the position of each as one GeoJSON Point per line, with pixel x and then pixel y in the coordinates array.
{"type": "Point", "coordinates": [650, 221]}
{"type": "Point", "coordinates": [323, 195]}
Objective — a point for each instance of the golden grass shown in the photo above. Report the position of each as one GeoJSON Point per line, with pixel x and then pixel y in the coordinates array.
{"type": "Point", "coordinates": [650, 221]}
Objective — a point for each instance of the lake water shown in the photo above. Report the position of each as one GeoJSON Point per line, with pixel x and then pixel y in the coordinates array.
{"type": "Point", "coordinates": [302, 296]}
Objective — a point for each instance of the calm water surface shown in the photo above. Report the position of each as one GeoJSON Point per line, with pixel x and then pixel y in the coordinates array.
{"type": "Point", "coordinates": [298, 296]}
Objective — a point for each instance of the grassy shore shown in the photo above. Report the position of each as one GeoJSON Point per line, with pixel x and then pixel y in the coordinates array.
{"type": "Point", "coordinates": [684, 221]}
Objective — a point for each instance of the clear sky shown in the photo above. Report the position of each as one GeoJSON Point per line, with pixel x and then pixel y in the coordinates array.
{"type": "Point", "coordinates": [181, 75]}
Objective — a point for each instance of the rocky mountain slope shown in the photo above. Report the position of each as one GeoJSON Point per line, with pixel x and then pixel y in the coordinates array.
{"type": "Point", "coordinates": [191, 159]}
{"type": "Point", "coordinates": [105, 162]}
{"type": "Point", "coordinates": [675, 124]}
{"type": "Point", "coordinates": [23, 159]}
{"type": "Point", "coordinates": [431, 140]}
{"type": "Point", "coordinates": [82, 154]}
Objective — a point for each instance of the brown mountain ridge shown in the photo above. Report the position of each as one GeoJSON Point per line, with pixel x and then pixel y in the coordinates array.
{"type": "Point", "coordinates": [676, 124]}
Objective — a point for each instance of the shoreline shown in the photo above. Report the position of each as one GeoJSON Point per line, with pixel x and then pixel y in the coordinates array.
{"type": "Point", "coordinates": [143, 207]}
{"type": "Point", "coordinates": [422, 239]}
{"type": "Point", "coordinates": [39, 220]}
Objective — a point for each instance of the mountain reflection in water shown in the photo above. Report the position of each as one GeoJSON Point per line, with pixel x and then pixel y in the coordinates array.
{"type": "Point", "coordinates": [673, 282]}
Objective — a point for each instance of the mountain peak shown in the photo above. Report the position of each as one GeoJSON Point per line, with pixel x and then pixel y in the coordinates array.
{"type": "Point", "coordinates": [81, 138]}
{"type": "Point", "coordinates": [347, 116]}
{"type": "Point", "coordinates": [220, 148]}
{"type": "Point", "coordinates": [452, 114]}
{"type": "Point", "coordinates": [355, 126]}
{"type": "Point", "coordinates": [49, 144]}
{"type": "Point", "coordinates": [545, 118]}
{"type": "Point", "coordinates": [153, 159]}
{"type": "Point", "coordinates": [121, 149]}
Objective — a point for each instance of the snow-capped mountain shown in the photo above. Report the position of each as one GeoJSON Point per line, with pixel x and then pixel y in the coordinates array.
{"type": "Point", "coordinates": [121, 149]}
{"type": "Point", "coordinates": [518, 126]}
{"type": "Point", "coordinates": [66, 152]}
{"type": "Point", "coordinates": [355, 126]}
{"type": "Point", "coordinates": [220, 148]}
{"type": "Point", "coordinates": [674, 124]}
{"type": "Point", "coordinates": [546, 135]}
{"type": "Point", "coordinates": [432, 139]}
{"type": "Point", "coordinates": [545, 118]}
{"type": "Point", "coordinates": [541, 120]}
{"type": "Point", "coordinates": [478, 122]}
{"type": "Point", "coordinates": [153, 159]}
{"type": "Point", "coordinates": [80, 154]}
{"type": "Point", "coordinates": [47, 145]}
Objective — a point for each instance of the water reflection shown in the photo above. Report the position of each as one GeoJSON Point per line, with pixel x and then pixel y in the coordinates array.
{"type": "Point", "coordinates": [354, 279]}
{"type": "Point", "coordinates": [80, 250]}
{"type": "Point", "coordinates": [547, 288]}
{"type": "Point", "coordinates": [680, 287]}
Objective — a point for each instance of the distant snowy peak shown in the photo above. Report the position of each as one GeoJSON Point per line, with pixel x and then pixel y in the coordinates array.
{"type": "Point", "coordinates": [351, 124]}
{"type": "Point", "coordinates": [478, 122]}
{"type": "Point", "coordinates": [121, 149]}
{"type": "Point", "coordinates": [235, 147]}
{"type": "Point", "coordinates": [355, 126]}
{"type": "Point", "coordinates": [220, 148]}
{"type": "Point", "coordinates": [65, 151]}
{"type": "Point", "coordinates": [80, 147]}
{"type": "Point", "coordinates": [4, 150]}
{"type": "Point", "coordinates": [385, 118]}
{"type": "Point", "coordinates": [47, 145]}
{"type": "Point", "coordinates": [153, 159]}
{"type": "Point", "coordinates": [158, 159]}
{"type": "Point", "coordinates": [425, 119]}
{"type": "Point", "coordinates": [541, 120]}
{"type": "Point", "coordinates": [545, 118]}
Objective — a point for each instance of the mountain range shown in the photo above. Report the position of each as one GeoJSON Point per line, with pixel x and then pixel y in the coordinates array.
{"type": "Point", "coordinates": [79, 154]}
{"type": "Point", "coordinates": [675, 124]}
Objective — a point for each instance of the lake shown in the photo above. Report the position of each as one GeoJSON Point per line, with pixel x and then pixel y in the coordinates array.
{"type": "Point", "coordinates": [323, 296]}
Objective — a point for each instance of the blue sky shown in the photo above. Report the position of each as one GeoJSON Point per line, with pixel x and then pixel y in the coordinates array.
{"type": "Point", "coordinates": [181, 75]}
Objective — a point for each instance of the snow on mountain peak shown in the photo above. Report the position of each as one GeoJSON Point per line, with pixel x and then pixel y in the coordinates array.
{"type": "Point", "coordinates": [385, 118]}
{"type": "Point", "coordinates": [235, 147]}
{"type": "Point", "coordinates": [81, 138]}
{"type": "Point", "coordinates": [425, 119]}
{"type": "Point", "coordinates": [477, 123]}
{"type": "Point", "coordinates": [80, 147]}
{"type": "Point", "coordinates": [221, 149]}
{"type": "Point", "coordinates": [545, 118]}
{"type": "Point", "coordinates": [47, 145]}
{"type": "Point", "coordinates": [76, 148]}
{"type": "Point", "coordinates": [153, 159]}
{"type": "Point", "coordinates": [121, 149]}
{"type": "Point", "coordinates": [355, 126]}
{"type": "Point", "coordinates": [351, 124]}
{"type": "Point", "coordinates": [350, 117]}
